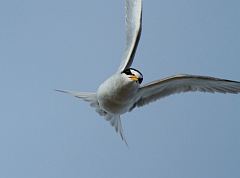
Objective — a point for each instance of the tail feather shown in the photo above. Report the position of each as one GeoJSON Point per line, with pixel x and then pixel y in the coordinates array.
{"type": "Point", "coordinates": [115, 121]}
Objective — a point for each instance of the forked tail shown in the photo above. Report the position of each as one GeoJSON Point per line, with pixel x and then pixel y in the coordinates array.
{"type": "Point", "coordinates": [115, 121]}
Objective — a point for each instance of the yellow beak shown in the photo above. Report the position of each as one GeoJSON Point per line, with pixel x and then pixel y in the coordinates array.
{"type": "Point", "coordinates": [133, 77]}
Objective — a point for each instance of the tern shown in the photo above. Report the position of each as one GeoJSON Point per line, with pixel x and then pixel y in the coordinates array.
{"type": "Point", "coordinates": [122, 92]}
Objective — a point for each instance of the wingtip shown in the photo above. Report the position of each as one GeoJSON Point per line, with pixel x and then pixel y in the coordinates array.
{"type": "Point", "coordinates": [62, 91]}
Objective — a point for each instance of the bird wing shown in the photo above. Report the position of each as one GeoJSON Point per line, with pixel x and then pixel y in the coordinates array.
{"type": "Point", "coordinates": [184, 83]}
{"type": "Point", "coordinates": [86, 96]}
{"type": "Point", "coordinates": [133, 21]}
{"type": "Point", "coordinates": [114, 120]}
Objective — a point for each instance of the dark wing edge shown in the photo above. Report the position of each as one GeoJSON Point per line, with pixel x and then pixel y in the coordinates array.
{"type": "Point", "coordinates": [133, 32]}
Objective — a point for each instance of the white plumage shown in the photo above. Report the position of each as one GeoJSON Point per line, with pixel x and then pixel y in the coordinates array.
{"type": "Point", "coordinates": [122, 92]}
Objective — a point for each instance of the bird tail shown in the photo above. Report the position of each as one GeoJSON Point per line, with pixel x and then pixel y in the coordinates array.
{"type": "Point", "coordinates": [115, 121]}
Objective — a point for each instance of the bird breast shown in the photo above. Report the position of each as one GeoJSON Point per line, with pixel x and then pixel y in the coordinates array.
{"type": "Point", "coordinates": [116, 94]}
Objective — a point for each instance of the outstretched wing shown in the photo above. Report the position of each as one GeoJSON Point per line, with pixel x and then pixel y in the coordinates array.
{"type": "Point", "coordinates": [184, 83]}
{"type": "Point", "coordinates": [133, 31]}
{"type": "Point", "coordinates": [86, 96]}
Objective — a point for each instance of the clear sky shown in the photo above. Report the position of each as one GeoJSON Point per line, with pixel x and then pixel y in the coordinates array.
{"type": "Point", "coordinates": [74, 44]}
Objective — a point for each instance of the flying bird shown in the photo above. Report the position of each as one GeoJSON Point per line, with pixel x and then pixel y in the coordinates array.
{"type": "Point", "coordinates": [122, 92]}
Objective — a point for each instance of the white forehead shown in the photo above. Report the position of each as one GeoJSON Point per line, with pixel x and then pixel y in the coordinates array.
{"type": "Point", "coordinates": [136, 73]}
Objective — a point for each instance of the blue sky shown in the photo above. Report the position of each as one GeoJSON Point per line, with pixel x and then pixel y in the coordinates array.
{"type": "Point", "coordinates": [76, 45]}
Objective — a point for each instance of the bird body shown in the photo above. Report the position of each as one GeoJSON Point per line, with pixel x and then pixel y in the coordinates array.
{"type": "Point", "coordinates": [116, 94]}
{"type": "Point", "coordinates": [122, 92]}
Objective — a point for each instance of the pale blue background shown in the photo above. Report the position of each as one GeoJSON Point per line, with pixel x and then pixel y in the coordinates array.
{"type": "Point", "coordinates": [75, 44]}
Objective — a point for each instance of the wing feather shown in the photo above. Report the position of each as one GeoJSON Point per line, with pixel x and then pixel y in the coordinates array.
{"type": "Point", "coordinates": [133, 21]}
{"type": "Point", "coordinates": [184, 83]}
{"type": "Point", "coordinates": [114, 120]}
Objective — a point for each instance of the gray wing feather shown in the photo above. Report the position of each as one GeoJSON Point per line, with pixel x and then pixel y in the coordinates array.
{"type": "Point", "coordinates": [133, 22]}
{"type": "Point", "coordinates": [114, 120]}
{"type": "Point", "coordinates": [184, 83]}
{"type": "Point", "coordinates": [86, 96]}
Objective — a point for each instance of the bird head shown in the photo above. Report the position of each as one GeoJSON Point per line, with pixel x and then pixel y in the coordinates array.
{"type": "Point", "coordinates": [133, 75]}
